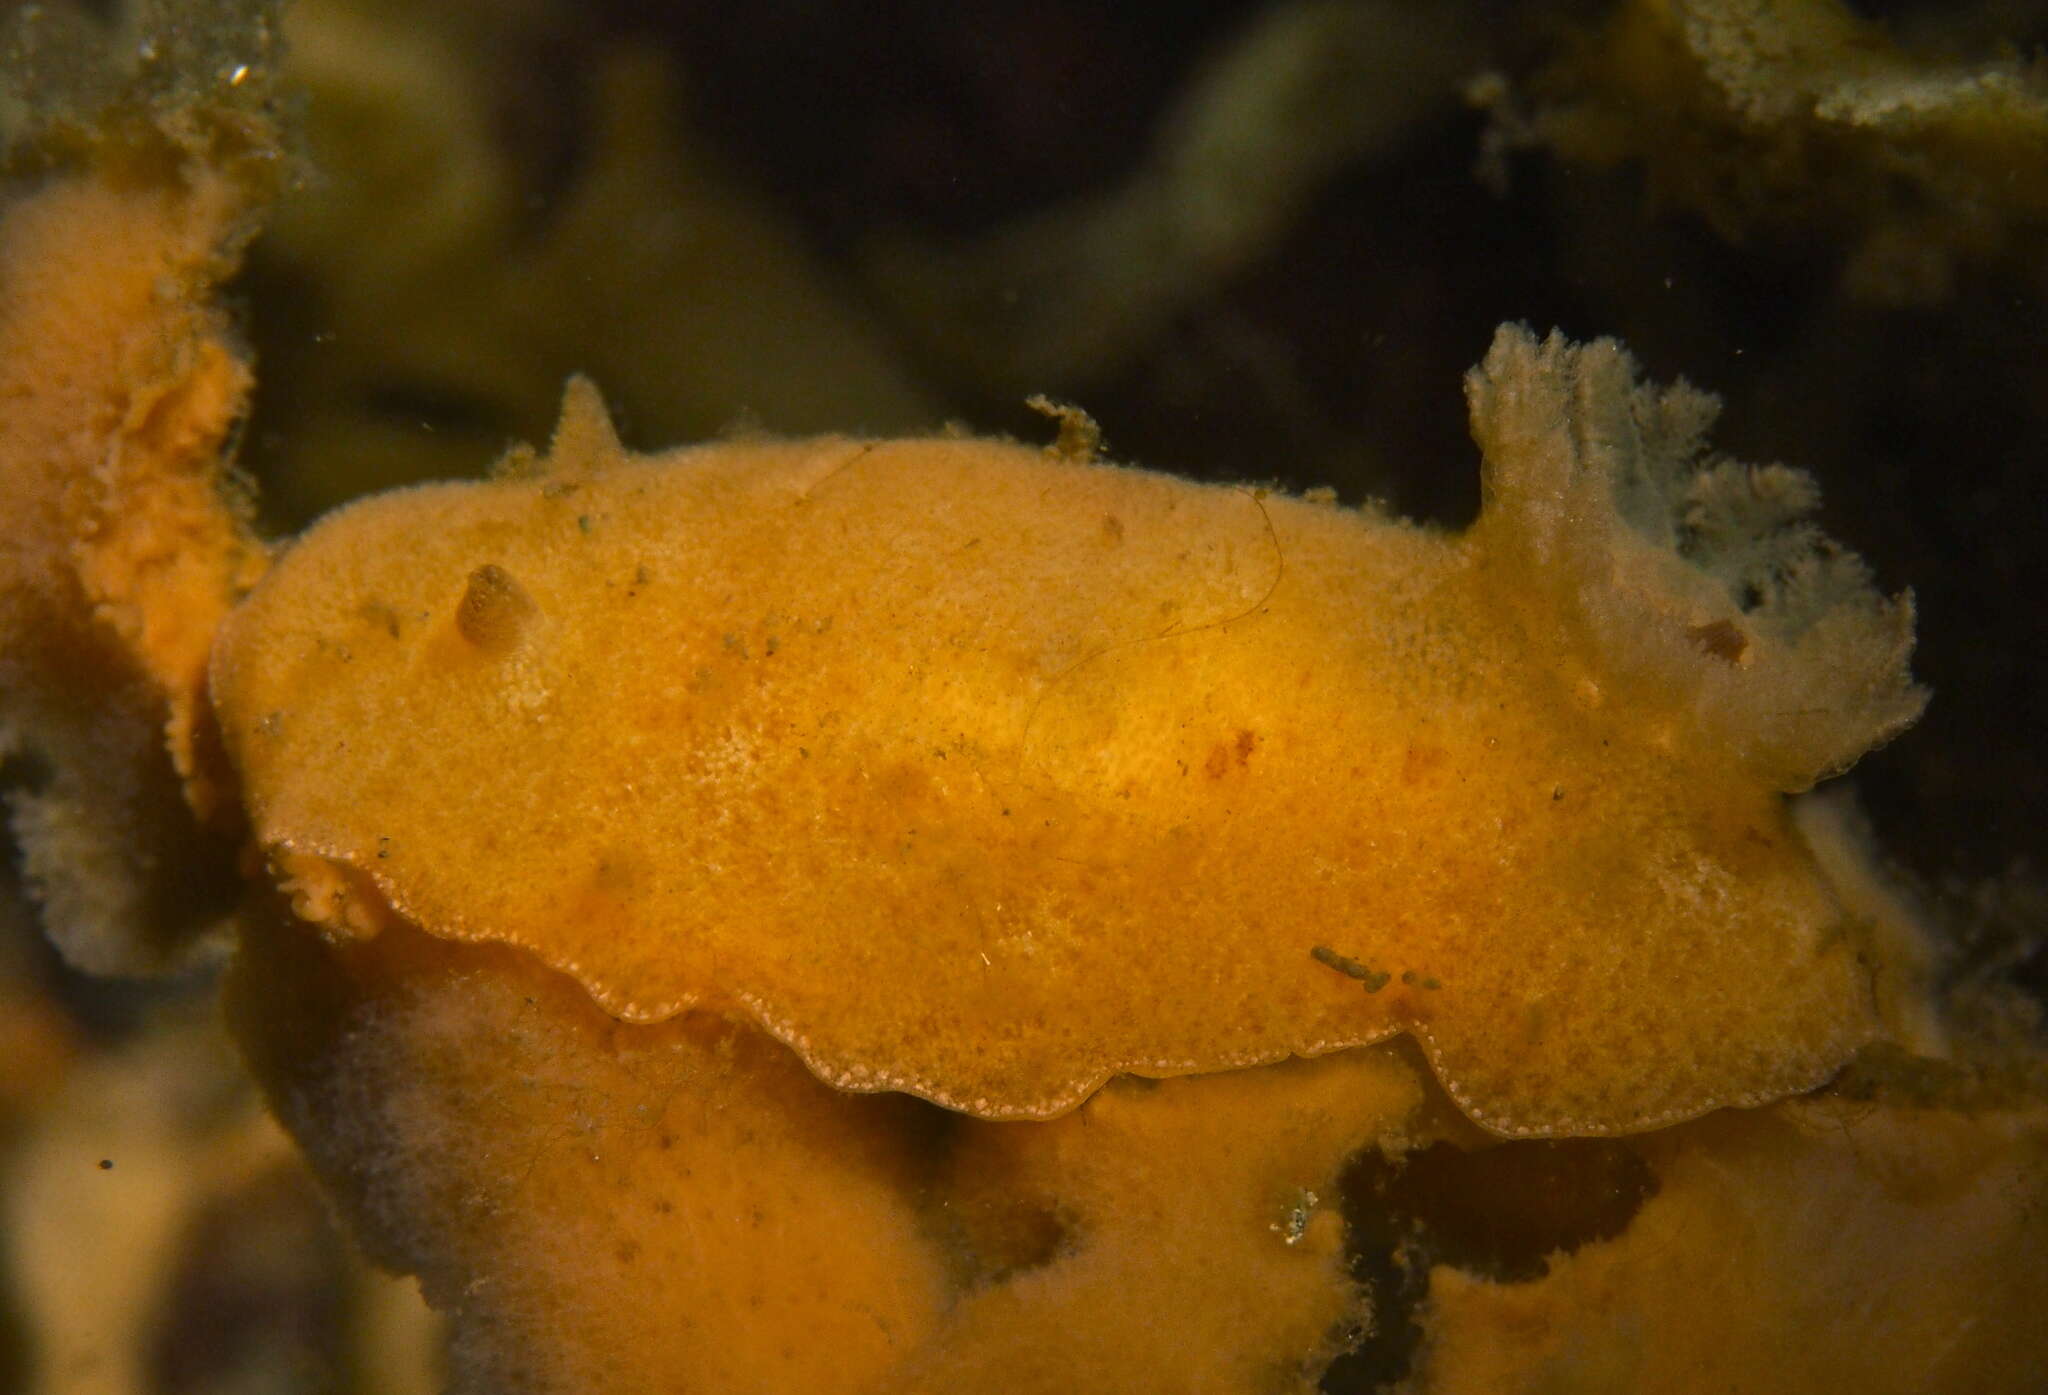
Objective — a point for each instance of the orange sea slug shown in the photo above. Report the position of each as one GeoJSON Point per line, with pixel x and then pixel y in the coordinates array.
{"type": "Point", "coordinates": [984, 774]}
{"type": "Point", "coordinates": [937, 914]}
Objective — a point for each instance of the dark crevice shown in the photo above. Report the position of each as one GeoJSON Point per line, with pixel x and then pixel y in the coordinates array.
{"type": "Point", "coordinates": [17, 1366]}
{"type": "Point", "coordinates": [1498, 1213]}
{"type": "Point", "coordinates": [29, 772]}
{"type": "Point", "coordinates": [1387, 1268]}
{"type": "Point", "coordinates": [1012, 1237]}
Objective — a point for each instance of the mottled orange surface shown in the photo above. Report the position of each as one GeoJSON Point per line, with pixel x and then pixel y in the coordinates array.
{"type": "Point", "coordinates": [682, 1206]}
{"type": "Point", "coordinates": [1813, 1246]}
{"type": "Point", "coordinates": [121, 555]}
{"type": "Point", "coordinates": [984, 773]}
{"type": "Point", "coordinates": [602, 1205]}
{"type": "Point", "coordinates": [1187, 1236]}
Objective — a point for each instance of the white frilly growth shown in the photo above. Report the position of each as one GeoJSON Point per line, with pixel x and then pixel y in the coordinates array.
{"type": "Point", "coordinates": [1687, 580]}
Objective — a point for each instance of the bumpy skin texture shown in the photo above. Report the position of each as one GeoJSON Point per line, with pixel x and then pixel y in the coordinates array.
{"type": "Point", "coordinates": [984, 773]}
